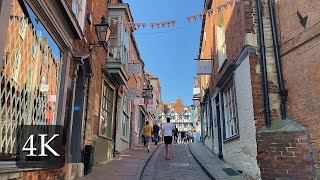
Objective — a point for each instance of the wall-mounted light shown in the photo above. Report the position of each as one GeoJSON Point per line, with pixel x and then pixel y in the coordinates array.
{"type": "Point", "coordinates": [103, 32]}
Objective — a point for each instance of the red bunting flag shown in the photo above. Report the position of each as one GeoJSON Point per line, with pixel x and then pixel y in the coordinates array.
{"type": "Point", "coordinates": [194, 17]}
{"type": "Point", "coordinates": [173, 22]}
{"type": "Point", "coordinates": [152, 25]}
{"type": "Point", "coordinates": [189, 18]}
{"type": "Point", "coordinates": [138, 24]}
{"type": "Point", "coordinates": [144, 25]}
{"type": "Point", "coordinates": [158, 25]}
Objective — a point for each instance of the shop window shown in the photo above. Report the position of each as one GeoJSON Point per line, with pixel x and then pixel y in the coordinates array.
{"type": "Point", "coordinates": [26, 98]}
{"type": "Point", "coordinates": [126, 117]}
{"type": "Point", "coordinates": [105, 128]}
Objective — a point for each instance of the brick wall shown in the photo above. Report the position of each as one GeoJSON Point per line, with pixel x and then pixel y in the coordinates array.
{"type": "Point", "coordinates": [46, 174]}
{"type": "Point", "coordinates": [300, 52]}
{"type": "Point", "coordinates": [284, 155]}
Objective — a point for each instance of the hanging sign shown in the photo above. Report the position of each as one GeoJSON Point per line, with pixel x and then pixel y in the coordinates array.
{"type": "Point", "coordinates": [150, 108]}
{"type": "Point", "coordinates": [204, 67]}
{"type": "Point", "coordinates": [196, 103]}
{"type": "Point", "coordinates": [134, 68]}
{"type": "Point", "coordinates": [138, 101]}
{"type": "Point", "coordinates": [132, 94]}
{"type": "Point", "coordinates": [196, 90]}
{"type": "Point", "coordinates": [146, 94]}
{"type": "Point", "coordinates": [52, 98]}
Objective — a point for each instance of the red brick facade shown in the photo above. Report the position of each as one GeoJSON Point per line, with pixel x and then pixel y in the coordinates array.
{"type": "Point", "coordinates": [284, 155]}
{"type": "Point", "coordinates": [300, 52]}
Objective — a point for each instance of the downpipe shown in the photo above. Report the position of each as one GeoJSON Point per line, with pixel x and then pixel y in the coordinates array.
{"type": "Point", "coordinates": [282, 91]}
{"type": "Point", "coordinates": [265, 86]}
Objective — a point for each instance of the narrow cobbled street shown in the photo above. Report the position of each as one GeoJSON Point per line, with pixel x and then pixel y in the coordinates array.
{"type": "Point", "coordinates": [181, 165]}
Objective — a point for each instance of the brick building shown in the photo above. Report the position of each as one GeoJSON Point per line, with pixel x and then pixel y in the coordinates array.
{"type": "Point", "coordinates": [251, 116]}
{"type": "Point", "coordinates": [62, 76]}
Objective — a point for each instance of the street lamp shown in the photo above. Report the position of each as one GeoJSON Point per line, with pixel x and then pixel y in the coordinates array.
{"type": "Point", "coordinates": [103, 32]}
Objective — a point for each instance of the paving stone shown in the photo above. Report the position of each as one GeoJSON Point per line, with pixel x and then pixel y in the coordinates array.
{"type": "Point", "coordinates": [181, 165]}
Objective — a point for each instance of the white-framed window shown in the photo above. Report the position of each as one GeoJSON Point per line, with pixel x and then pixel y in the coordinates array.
{"type": "Point", "coordinates": [105, 128]}
{"type": "Point", "coordinates": [34, 49]}
{"type": "Point", "coordinates": [79, 8]}
{"type": "Point", "coordinates": [230, 111]}
{"type": "Point", "coordinates": [126, 117]}
{"type": "Point", "coordinates": [23, 28]}
{"type": "Point", "coordinates": [222, 54]}
{"type": "Point", "coordinates": [16, 65]}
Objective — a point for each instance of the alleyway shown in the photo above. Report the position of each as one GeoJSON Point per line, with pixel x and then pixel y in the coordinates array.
{"type": "Point", "coordinates": [181, 165]}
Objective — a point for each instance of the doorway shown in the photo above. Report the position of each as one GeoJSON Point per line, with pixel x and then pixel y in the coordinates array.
{"type": "Point", "coordinates": [219, 127]}
{"type": "Point", "coordinates": [78, 116]}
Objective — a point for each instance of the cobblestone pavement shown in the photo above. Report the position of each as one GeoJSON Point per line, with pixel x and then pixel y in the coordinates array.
{"type": "Point", "coordinates": [181, 165]}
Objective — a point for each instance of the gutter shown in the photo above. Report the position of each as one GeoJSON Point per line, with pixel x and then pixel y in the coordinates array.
{"type": "Point", "coordinates": [265, 86]}
{"type": "Point", "coordinates": [282, 91]}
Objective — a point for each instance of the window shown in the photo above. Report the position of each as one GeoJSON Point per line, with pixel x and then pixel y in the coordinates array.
{"type": "Point", "coordinates": [16, 65]}
{"type": "Point", "coordinates": [78, 8]}
{"type": "Point", "coordinates": [221, 41]}
{"type": "Point", "coordinates": [34, 49]}
{"type": "Point", "coordinates": [105, 128]}
{"type": "Point", "coordinates": [230, 117]}
{"type": "Point", "coordinates": [125, 120]}
{"type": "Point", "coordinates": [23, 28]}
{"type": "Point", "coordinates": [113, 39]}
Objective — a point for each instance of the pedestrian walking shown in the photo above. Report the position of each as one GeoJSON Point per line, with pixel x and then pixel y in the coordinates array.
{"type": "Point", "coordinates": [182, 137]}
{"type": "Point", "coordinates": [156, 130]}
{"type": "Point", "coordinates": [189, 136]}
{"type": "Point", "coordinates": [194, 136]}
{"type": "Point", "coordinates": [147, 131]}
{"type": "Point", "coordinates": [175, 134]}
{"type": "Point", "coordinates": [167, 133]}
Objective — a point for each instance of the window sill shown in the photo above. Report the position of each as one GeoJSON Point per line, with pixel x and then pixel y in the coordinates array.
{"type": "Point", "coordinates": [11, 167]}
{"type": "Point", "coordinates": [232, 138]}
{"type": "Point", "coordinates": [222, 65]}
{"type": "Point", "coordinates": [124, 139]}
{"type": "Point", "coordinates": [105, 137]}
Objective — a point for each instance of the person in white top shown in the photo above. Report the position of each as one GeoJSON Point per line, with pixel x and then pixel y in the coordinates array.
{"type": "Point", "coordinates": [167, 133]}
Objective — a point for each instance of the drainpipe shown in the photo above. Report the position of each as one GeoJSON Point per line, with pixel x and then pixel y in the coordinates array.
{"type": "Point", "coordinates": [265, 87]}
{"type": "Point", "coordinates": [282, 91]}
{"type": "Point", "coordinates": [115, 122]}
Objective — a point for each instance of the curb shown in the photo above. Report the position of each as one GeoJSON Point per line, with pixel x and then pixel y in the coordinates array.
{"type": "Point", "coordinates": [140, 171]}
{"type": "Point", "coordinates": [202, 167]}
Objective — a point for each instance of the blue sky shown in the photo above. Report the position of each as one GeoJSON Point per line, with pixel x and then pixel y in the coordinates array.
{"type": "Point", "coordinates": [169, 52]}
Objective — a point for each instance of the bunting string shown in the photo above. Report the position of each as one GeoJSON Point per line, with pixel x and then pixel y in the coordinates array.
{"type": "Point", "coordinates": [172, 23]}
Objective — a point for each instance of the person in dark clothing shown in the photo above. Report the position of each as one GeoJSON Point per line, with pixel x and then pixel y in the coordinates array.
{"type": "Point", "coordinates": [156, 133]}
{"type": "Point", "coordinates": [175, 134]}
{"type": "Point", "coordinates": [182, 137]}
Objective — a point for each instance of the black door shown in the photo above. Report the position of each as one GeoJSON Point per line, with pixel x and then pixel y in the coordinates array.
{"type": "Point", "coordinates": [219, 127]}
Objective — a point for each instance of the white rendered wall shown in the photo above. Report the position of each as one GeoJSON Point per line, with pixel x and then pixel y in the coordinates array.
{"type": "Point", "coordinates": [241, 153]}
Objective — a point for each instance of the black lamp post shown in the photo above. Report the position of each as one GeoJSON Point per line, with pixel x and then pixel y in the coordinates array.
{"type": "Point", "coordinates": [103, 32]}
